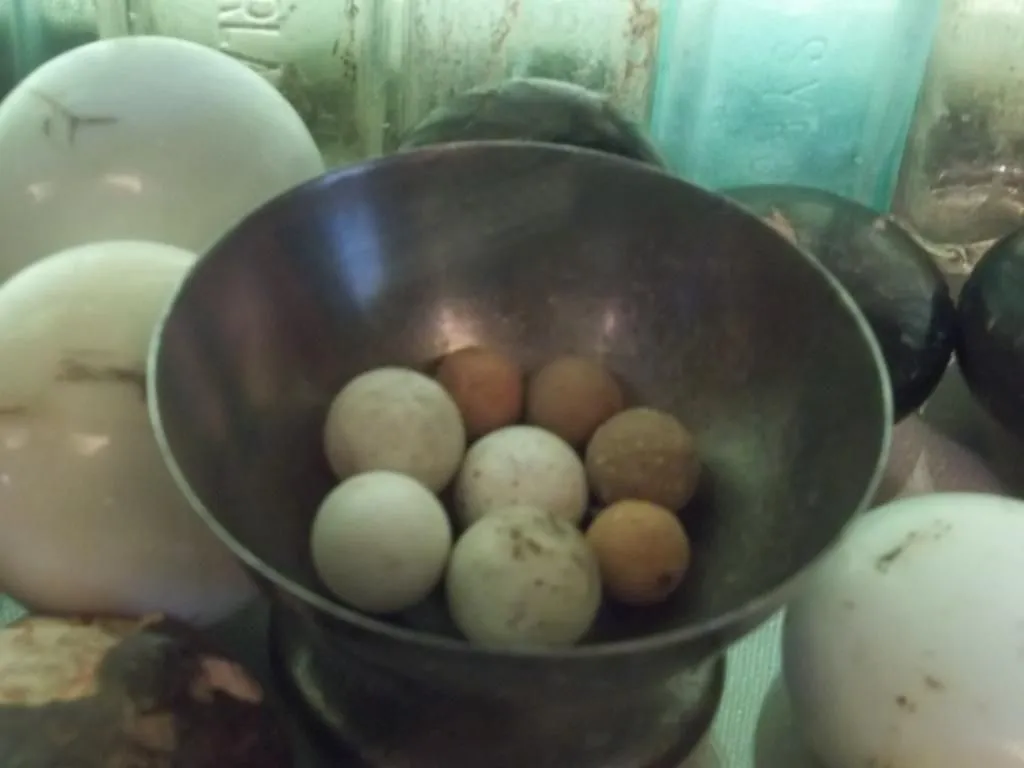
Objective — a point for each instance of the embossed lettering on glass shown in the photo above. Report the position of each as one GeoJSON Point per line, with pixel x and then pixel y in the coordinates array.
{"type": "Point", "coordinates": [364, 72]}
{"type": "Point", "coordinates": [790, 91]}
{"type": "Point", "coordinates": [325, 56]}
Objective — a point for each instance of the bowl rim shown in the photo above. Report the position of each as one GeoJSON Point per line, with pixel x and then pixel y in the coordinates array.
{"type": "Point", "coordinates": [759, 606]}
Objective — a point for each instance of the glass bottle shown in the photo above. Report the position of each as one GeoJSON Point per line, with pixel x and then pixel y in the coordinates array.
{"type": "Point", "coordinates": [9, 64]}
{"type": "Point", "coordinates": [363, 72]}
{"type": "Point", "coordinates": [962, 182]}
{"type": "Point", "coordinates": [811, 92]}
{"type": "Point", "coordinates": [33, 31]}
{"type": "Point", "coordinates": [328, 57]}
{"type": "Point", "coordinates": [451, 46]}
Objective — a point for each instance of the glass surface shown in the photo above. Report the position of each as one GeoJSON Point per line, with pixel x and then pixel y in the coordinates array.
{"type": "Point", "coordinates": [453, 45]}
{"type": "Point", "coordinates": [8, 69]}
{"type": "Point", "coordinates": [326, 56]}
{"type": "Point", "coordinates": [363, 72]}
{"type": "Point", "coordinates": [811, 92]}
{"type": "Point", "coordinates": [32, 31]}
{"type": "Point", "coordinates": [962, 184]}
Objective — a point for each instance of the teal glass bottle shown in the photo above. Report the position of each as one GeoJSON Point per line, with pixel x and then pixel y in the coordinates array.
{"type": "Point", "coordinates": [34, 31]}
{"type": "Point", "coordinates": [812, 92]}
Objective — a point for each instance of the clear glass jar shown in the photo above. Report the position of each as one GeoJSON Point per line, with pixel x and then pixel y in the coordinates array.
{"type": "Point", "coordinates": [962, 182]}
{"type": "Point", "coordinates": [363, 72]}
{"type": "Point", "coordinates": [452, 45]}
{"type": "Point", "coordinates": [811, 92]}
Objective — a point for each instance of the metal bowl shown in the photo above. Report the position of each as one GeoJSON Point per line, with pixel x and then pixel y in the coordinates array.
{"type": "Point", "coordinates": [538, 250]}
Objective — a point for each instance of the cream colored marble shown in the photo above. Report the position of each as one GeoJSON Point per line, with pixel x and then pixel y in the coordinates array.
{"type": "Point", "coordinates": [90, 518]}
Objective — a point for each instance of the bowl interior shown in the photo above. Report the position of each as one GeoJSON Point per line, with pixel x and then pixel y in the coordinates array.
{"type": "Point", "coordinates": [697, 306]}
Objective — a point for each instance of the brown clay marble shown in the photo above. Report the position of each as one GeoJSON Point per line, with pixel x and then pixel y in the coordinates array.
{"type": "Point", "coordinates": [486, 385]}
{"type": "Point", "coordinates": [571, 397]}
{"type": "Point", "coordinates": [643, 454]}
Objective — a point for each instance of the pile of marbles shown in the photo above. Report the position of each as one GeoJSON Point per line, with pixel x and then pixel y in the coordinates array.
{"type": "Point", "coordinates": [557, 493]}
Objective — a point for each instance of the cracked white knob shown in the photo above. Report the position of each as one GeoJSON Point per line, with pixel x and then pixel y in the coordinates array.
{"type": "Point", "coordinates": [144, 138]}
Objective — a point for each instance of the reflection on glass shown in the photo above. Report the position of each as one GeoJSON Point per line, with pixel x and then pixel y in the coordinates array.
{"type": "Point", "coordinates": [962, 182]}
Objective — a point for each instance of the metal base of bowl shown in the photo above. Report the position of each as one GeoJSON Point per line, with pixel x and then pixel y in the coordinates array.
{"type": "Point", "coordinates": [375, 722]}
